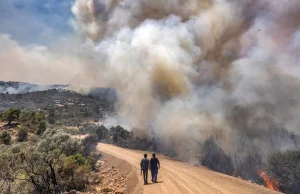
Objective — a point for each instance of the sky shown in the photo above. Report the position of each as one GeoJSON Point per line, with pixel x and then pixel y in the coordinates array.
{"type": "Point", "coordinates": [35, 21]}
{"type": "Point", "coordinates": [36, 41]}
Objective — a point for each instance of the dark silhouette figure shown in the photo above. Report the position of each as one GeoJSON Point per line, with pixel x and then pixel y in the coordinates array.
{"type": "Point", "coordinates": [144, 168]}
{"type": "Point", "coordinates": [154, 166]}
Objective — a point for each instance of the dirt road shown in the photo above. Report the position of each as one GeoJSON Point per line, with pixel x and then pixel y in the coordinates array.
{"type": "Point", "coordinates": [177, 177]}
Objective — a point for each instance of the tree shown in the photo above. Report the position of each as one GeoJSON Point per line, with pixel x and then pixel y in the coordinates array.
{"type": "Point", "coordinates": [41, 170]}
{"type": "Point", "coordinates": [119, 131]}
{"type": "Point", "coordinates": [101, 132]}
{"type": "Point", "coordinates": [5, 137]}
{"type": "Point", "coordinates": [35, 121]}
{"type": "Point", "coordinates": [9, 173]}
{"type": "Point", "coordinates": [214, 157]}
{"type": "Point", "coordinates": [46, 173]}
{"type": "Point", "coordinates": [11, 115]}
{"type": "Point", "coordinates": [285, 167]}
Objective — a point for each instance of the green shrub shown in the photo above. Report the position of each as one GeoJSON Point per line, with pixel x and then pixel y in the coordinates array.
{"type": "Point", "coordinates": [75, 172]}
{"type": "Point", "coordinates": [10, 115]}
{"type": "Point", "coordinates": [35, 121]}
{"type": "Point", "coordinates": [5, 137]}
{"type": "Point", "coordinates": [92, 161]}
{"type": "Point", "coordinates": [56, 139]}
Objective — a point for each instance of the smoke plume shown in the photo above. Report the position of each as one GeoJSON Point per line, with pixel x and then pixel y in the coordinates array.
{"type": "Point", "coordinates": [35, 63]}
{"type": "Point", "coordinates": [186, 70]}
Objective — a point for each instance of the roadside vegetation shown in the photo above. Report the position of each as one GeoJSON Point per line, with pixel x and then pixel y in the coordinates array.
{"type": "Point", "coordinates": [40, 154]}
{"type": "Point", "coordinates": [36, 157]}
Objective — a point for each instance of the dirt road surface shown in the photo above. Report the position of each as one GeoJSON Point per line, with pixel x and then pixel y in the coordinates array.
{"type": "Point", "coordinates": [176, 177]}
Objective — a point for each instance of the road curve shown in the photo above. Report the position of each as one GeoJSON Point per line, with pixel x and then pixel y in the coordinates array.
{"type": "Point", "coordinates": [176, 177]}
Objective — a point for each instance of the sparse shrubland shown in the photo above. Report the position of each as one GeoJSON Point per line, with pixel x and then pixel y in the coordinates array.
{"type": "Point", "coordinates": [61, 107]}
{"type": "Point", "coordinates": [57, 164]}
{"type": "Point", "coordinates": [48, 161]}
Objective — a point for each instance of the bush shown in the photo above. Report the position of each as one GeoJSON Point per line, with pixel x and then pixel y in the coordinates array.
{"type": "Point", "coordinates": [35, 121]}
{"type": "Point", "coordinates": [5, 137]}
{"type": "Point", "coordinates": [22, 134]}
{"type": "Point", "coordinates": [55, 139]}
{"type": "Point", "coordinates": [75, 172]}
{"type": "Point", "coordinates": [92, 161]}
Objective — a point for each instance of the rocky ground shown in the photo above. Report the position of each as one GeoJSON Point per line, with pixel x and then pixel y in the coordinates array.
{"type": "Point", "coordinates": [117, 176]}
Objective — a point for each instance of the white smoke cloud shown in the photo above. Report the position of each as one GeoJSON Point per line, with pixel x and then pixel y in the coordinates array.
{"type": "Point", "coordinates": [35, 63]}
{"type": "Point", "coordinates": [183, 68]}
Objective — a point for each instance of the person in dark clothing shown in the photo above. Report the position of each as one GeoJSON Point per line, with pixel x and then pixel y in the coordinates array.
{"type": "Point", "coordinates": [154, 166]}
{"type": "Point", "coordinates": [144, 168]}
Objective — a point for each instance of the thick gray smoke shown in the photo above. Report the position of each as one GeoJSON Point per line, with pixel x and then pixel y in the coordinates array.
{"type": "Point", "coordinates": [190, 70]}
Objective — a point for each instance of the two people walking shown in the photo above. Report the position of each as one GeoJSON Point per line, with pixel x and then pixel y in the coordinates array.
{"type": "Point", "coordinates": [153, 165]}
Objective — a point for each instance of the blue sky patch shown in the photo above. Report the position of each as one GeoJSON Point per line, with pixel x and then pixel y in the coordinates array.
{"type": "Point", "coordinates": [35, 21]}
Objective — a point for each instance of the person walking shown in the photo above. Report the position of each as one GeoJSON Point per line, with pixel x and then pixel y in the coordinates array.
{"type": "Point", "coordinates": [144, 168]}
{"type": "Point", "coordinates": [154, 166]}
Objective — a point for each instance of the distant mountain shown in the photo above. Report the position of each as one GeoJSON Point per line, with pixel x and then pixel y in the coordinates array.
{"type": "Point", "coordinates": [23, 87]}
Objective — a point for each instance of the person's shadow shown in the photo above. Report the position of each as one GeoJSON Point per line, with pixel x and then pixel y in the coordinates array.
{"type": "Point", "coordinates": [158, 182]}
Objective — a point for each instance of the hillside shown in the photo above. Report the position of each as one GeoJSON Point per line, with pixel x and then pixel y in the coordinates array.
{"type": "Point", "coordinates": [23, 87]}
{"type": "Point", "coordinates": [68, 107]}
